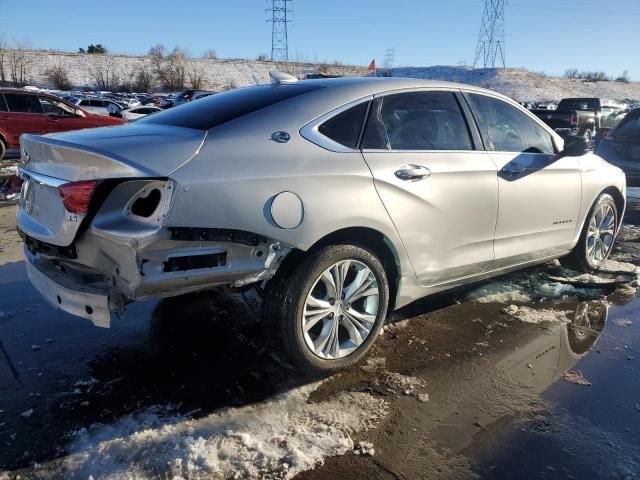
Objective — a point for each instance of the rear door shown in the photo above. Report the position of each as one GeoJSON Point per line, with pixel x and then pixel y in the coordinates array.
{"type": "Point", "coordinates": [25, 116]}
{"type": "Point", "coordinates": [539, 193]}
{"type": "Point", "coordinates": [435, 180]}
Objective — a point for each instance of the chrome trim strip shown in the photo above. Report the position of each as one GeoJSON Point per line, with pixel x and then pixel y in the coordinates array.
{"type": "Point", "coordinates": [310, 130]}
{"type": "Point", "coordinates": [42, 179]}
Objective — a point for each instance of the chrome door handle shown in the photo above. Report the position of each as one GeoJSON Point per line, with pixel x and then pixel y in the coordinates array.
{"type": "Point", "coordinates": [412, 173]}
{"type": "Point", "coordinates": [513, 169]}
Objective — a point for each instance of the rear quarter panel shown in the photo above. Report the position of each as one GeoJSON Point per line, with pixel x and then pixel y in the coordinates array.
{"type": "Point", "coordinates": [597, 175]}
{"type": "Point", "coordinates": [239, 170]}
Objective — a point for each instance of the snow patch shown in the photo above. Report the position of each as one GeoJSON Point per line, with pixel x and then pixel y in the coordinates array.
{"type": "Point", "coordinates": [277, 438]}
{"type": "Point", "coordinates": [531, 315]}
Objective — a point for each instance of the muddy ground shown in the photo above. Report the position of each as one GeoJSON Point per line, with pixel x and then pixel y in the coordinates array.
{"type": "Point", "coordinates": [468, 384]}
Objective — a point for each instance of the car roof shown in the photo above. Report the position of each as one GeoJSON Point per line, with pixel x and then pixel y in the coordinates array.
{"type": "Point", "coordinates": [372, 85]}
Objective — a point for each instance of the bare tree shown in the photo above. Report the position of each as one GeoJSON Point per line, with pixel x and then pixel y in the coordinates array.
{"type": "Point", "coordinates": [170, 68]}
{"type": "Point", "coordinates": [571, 73]}
{"type": "Point", "coordinates": [196, 75]}
{"type": "Point", "coordinates": [103, 72]}
{"type": "Point", "coordinates": [624, 78]}
{"type": "Point", "coordinates": [143, 78]}
{"type": "Point", "coordinates": [58, 76]}
{"type": "Point", "coordinates": [210, 54]}
{"type": "Point", "coordinates": [19, 65]}
{"type": "Point", "coordinates": [4, 44]}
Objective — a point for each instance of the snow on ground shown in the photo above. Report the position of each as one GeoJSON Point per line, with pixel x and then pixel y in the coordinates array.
{"type": "Point", "coordinates": [531, 315]}
{"type": "Point", "coordinates": [557, 284]}
{"type": "Point", "coordinates": [274, 439]}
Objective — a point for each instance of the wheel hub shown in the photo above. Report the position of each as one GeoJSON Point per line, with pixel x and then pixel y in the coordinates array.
{"type": "Point", "coordinates": [341, 309]}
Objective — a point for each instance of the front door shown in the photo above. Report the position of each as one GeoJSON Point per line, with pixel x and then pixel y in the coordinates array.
{"type": "Point", "coordinates": [436, 182]}
{"type": "Point", "coordinates": [539, 193]}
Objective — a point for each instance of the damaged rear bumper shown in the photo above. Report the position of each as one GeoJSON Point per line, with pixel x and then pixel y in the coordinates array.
{"type": "Point", "coordinates": [62, 292]}
{"type": "Point", "coordinates": [105, 274]}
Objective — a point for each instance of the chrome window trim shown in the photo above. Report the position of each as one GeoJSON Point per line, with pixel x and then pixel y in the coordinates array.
{"type": "Point", "coordinates": [311, 133]}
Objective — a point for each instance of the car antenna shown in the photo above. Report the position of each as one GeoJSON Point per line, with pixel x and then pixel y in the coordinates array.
{"type": "Point", "coordinates": [281, 77]}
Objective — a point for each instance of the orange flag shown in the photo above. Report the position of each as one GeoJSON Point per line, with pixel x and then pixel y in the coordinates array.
{"type": "Point", "coordinates": [372, 65]}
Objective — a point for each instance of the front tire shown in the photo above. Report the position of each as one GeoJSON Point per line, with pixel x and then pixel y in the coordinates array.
{"type": "Point", "coordinates": [3, 149]}
{"type": "Point", "coordinates": [326, 312]}
{"type": "Point", "coordinates": [597, 237]}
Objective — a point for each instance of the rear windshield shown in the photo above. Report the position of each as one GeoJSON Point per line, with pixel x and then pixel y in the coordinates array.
{"type": "Point", "coordinates": [217, 109]}
{"type": "Point", "coordinates": [570, 104]}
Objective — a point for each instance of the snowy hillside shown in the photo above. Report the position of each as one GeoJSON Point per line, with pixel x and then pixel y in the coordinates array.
{"type": "Point", "coordinates": [519, 84]}
{"type": "Point", "coordinates": [522, 85]}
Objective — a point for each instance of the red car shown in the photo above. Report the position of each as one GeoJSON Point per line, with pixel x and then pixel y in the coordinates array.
{"type": "Point", "coordinates": [24, 111]}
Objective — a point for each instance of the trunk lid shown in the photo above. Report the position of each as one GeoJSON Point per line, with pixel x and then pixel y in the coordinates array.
{"type": "Point", "coordinates": [131, 151]}
{"type": "Point", "coordinates": [139, 150]}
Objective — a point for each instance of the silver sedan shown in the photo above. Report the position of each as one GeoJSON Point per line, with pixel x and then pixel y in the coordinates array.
{"type": "Point", "coordinates": [337, 199]}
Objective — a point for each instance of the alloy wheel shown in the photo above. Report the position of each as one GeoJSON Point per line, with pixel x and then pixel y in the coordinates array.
{"type": "Point", "coordinates": [341, 309]}
{"type": "Point", "coordinates": [600, 234]}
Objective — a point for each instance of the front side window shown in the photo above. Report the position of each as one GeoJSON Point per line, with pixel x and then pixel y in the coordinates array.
{"type": "Point", "coordinates": [54, 107]}
{"type": "Point", "coordinates": [417, 121]}
{"type": "Point", "coordinates": [3, 105]}
{"type": "Point", "coordinates": [346, 126]}
{"type": "Point", "coordinates": [509, 129]}
{"type": "Point", "coordinates": [23, 103]}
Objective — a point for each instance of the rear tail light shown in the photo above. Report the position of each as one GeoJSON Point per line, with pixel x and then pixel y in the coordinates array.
{"type": "Point", "coordinates": [77, 195]}
{"type": "Point", "coordinates": [608, 135]}
{"type": "Point", "coordinates": [574, 119]}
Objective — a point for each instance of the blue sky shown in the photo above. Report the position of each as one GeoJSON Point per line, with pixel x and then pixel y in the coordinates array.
{"type": "Point", "coordinates": [542, 35]}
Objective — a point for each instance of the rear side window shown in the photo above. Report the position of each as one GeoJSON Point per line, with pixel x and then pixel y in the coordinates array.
{"type": "Point", "coordinates": [417, 121]}
{"type": "Point", "coordinates": [23, 103]}
{"type": "Point", "coordinates": [3, 105]}
{"type": "Point", "coordinates": [509, 129]}
{"type": "Point", "coordinates": [345, 127]}
{"type": "Point", "coordinates": [217, 109]}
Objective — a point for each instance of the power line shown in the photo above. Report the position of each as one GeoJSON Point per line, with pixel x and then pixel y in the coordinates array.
{"type": "Point", "coordinates": [280, 14]}
{"type": "Point", "coordinates": [490, 48]}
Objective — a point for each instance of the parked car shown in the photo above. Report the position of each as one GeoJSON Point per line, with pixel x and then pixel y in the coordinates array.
{"type": "Point", "coordinates": [97, 105]}
{"type": "Point", "coordinates": [129, 103]}
{"type": "Point", "coordinates": [366, 194]}
{"type": "Point", "coordinates": [23, 111]}
{"type": "Point", "coordinates": [620, 146]}
{"type": "Point", "coordinates": [189, 95]}
{"type": "Point", "coordinates": [580, 116]}
{"type": "Point", "coordinates": [139, 112]}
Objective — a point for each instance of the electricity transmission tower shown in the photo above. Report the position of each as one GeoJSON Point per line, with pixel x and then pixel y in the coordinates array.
{"type": "Point", "coordinates": [279, 17]}
{"type": "Point", "coordinates": [490, 47]}
{"type": "Point", "coordinates": [389, 59]}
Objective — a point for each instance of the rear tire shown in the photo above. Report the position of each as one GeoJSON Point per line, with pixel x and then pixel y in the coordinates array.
{"type": "Point", "coordinates": [597, 237]}
{"type": "Point", "coordinates": [588, 135]}
{"type": "Point", "coordinates": [323, 328]}
{"type": "Point", "coordinates": [3, 149]}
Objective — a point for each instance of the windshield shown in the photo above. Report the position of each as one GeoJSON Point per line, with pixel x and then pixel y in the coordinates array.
{"type": "Point", "coordinates": [217, 109]}
{"type": "Point", "coordinates": [570, 104]}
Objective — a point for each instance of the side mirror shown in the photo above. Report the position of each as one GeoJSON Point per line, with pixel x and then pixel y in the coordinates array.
{"type": "Point", "coordinates": [574, 146]}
